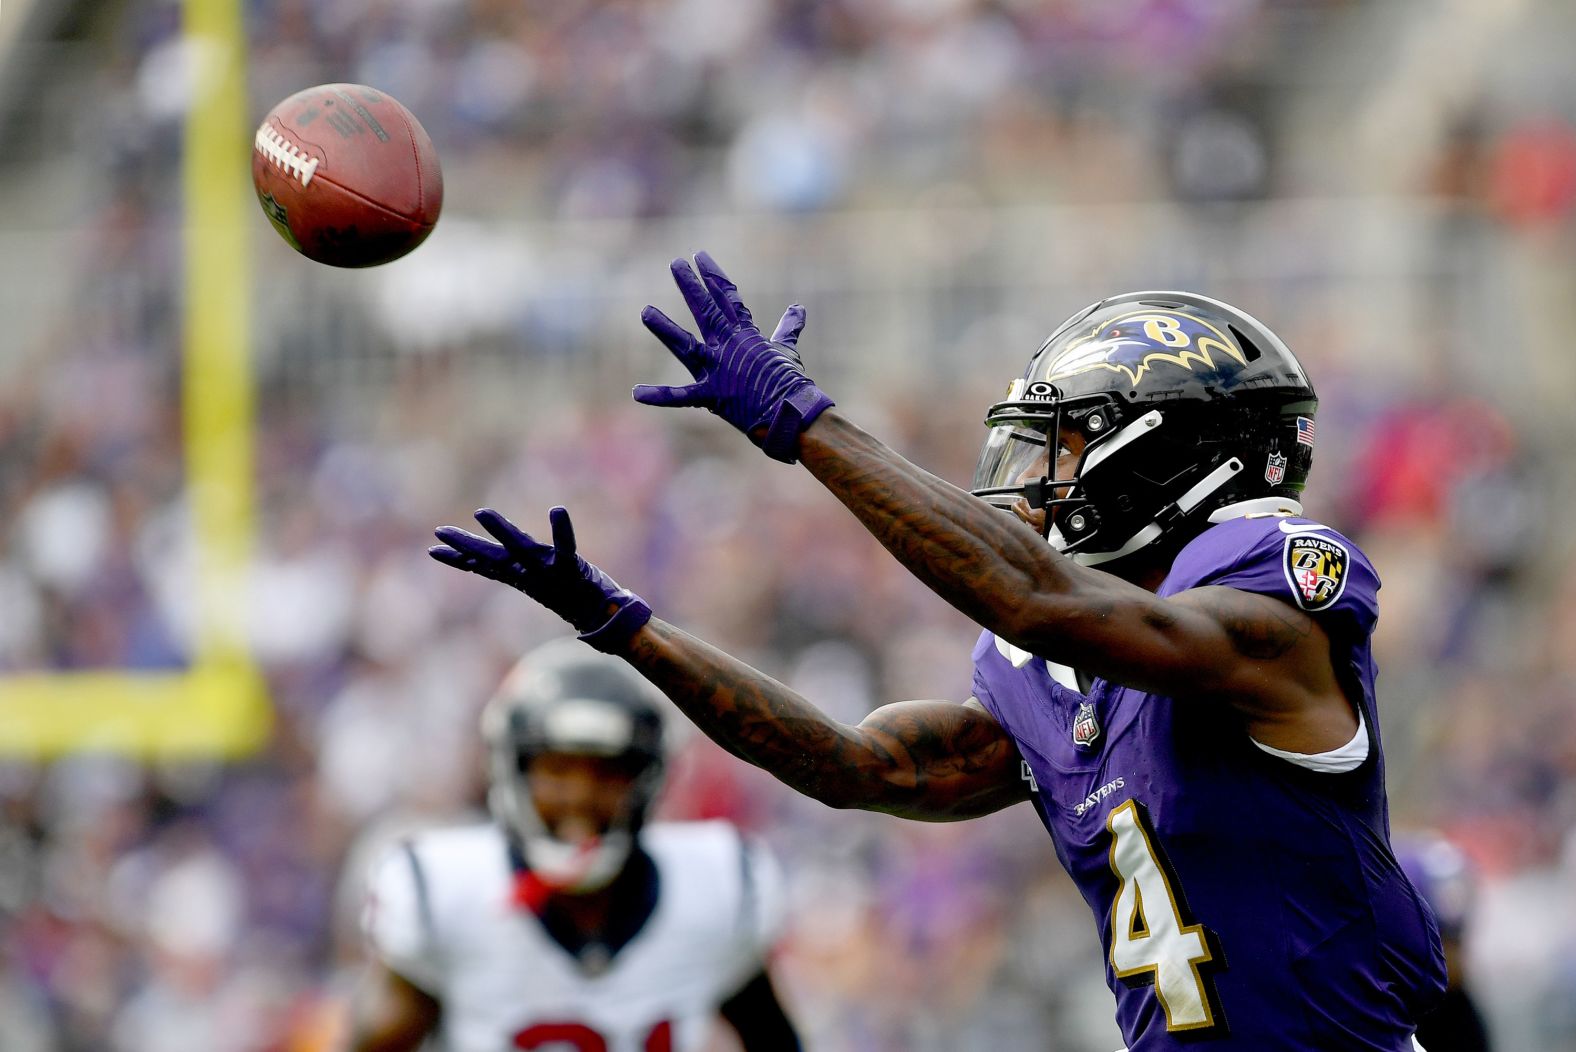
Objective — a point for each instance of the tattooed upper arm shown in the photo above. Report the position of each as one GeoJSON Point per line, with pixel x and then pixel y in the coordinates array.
{"type": "Point", "coordinates": [1258, 627]}
{"type": "Point", "coordinates": [1258, 653]}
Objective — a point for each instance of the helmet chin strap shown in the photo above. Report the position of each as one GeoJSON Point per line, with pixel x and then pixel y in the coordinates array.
{"type": "Point", "coordinates": [1142, 539]}
{"type": "Point", "coordinates": [1184, 504]}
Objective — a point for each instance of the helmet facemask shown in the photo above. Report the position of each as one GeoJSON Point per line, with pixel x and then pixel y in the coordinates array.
{"type": "Point", "coordinates": [572, 866]}
{"type": "Point", "coordinates": [564, 711]}
{"type": "Point", "coordinates": [1019, 463]}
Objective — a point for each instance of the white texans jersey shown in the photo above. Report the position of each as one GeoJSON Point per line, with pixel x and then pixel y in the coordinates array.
{"type": "Point", "coordinates": [440, 913]}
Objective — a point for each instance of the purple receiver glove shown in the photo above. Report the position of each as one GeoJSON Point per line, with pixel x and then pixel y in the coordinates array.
{"type": "Point", "coordinates": [605, 615]}
{"type": "Point", "coordinates": [755, 384]}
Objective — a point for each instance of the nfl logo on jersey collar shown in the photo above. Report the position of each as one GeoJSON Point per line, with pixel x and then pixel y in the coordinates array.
{"type": "Point", "coordinates": [1086, 728]}
{"type": "Point", "coordinates": [1086, 725]}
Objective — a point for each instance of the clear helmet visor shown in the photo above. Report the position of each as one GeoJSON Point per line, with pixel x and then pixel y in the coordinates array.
{"type": "Point", "coordinates": [1012, 455]}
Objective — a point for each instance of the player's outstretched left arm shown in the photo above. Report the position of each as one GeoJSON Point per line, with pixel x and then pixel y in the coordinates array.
{"type": "Point", "coordinates": [928, 760]}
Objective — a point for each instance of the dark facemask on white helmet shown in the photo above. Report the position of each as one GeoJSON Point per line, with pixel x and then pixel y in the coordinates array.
{"type": "Point", "coordinates": [569, 700]}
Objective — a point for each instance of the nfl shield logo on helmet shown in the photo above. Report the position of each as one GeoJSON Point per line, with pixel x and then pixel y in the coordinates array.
{"type": "Point", "coordinates": [1085, 727]}
{"type": "Point", "coordinates": [1275, 469]}
{"type": "Point", "coordinates": [1316, 570]}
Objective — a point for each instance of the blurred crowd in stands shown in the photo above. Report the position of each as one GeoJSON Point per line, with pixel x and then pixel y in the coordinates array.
{"type": "Point", "coordinates": [205, 907]}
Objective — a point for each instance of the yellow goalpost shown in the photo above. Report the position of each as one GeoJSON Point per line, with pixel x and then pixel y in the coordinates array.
{"type": "Point", "coordinates": [218, 706]}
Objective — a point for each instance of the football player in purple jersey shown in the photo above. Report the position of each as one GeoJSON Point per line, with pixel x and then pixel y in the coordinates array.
{"type": "Point", "coordinates": [1174, 667]}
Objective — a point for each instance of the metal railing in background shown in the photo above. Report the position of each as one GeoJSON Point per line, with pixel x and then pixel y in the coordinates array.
{"type": "Point", "coordinates": [1389, 287]}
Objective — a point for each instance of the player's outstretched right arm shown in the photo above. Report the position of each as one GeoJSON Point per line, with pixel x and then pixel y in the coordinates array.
{"type": "Point", "coordinates": [929, 760]}
{"type": "Point", "coordinates": [935, 761]}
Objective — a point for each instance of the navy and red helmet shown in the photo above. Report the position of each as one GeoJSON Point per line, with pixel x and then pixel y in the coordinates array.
{"type": "Point", "coordinates": [1187, 405]}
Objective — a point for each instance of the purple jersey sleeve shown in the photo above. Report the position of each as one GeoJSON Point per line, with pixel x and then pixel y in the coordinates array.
{"type": "Point", "coordinates": [1021, 692]}
{"type": "Point", "coordinates": [1303, 562]}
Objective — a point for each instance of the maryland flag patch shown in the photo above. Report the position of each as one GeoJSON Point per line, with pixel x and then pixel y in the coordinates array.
{"type": "Point", "coordinates": [1316, 570]}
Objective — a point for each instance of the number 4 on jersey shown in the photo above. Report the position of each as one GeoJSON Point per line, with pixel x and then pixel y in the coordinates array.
{"type": "Point", "coordinates": [1151, 940]}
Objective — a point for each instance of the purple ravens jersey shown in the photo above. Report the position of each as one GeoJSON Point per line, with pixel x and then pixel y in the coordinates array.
{"type": "Point", "coordinates": [1244, 902]}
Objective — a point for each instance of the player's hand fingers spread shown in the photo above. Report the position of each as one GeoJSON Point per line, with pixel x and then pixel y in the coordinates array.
{"type": "Point", "coordinates": [723, 291]}
{"type": "Point", "coordinates": [697, 298]}
{"type": "Point", "coordinates": [563, 534]}
{"type": "Point", "coordinates": [450, 556]}
{"type": "Point", "coordinates": [468, 546]}
{"type": "Point", "coordinates": [494, 568]}
{"type": "Point", "coordinates": [686, 348]}
{"type": "Point", "coordinates": [789, 328]}
{"type": "Point", "coordinates": [518, 543]}
{"type": "Point", "coordinates": [674, 397]}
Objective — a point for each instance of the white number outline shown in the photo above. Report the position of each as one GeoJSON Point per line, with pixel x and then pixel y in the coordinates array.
{"type": "Point", "coordinates": [1192, 944]}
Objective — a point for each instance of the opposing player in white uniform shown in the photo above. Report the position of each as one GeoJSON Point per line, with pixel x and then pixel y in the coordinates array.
{"type": "Point", "coordinates": [567, 924]}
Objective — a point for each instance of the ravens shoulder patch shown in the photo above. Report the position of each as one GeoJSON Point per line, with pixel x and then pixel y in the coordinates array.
{"type": "Point", "coordinates": [1316, 570]}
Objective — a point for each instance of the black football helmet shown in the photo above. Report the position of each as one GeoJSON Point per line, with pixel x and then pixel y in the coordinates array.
{"type": "Point", "coordinates": [1186, 405]}
{"type": "Point", "coordinates": [566, 698]}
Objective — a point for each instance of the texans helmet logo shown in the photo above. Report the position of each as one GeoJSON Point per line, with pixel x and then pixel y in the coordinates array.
{"type": "Point", "coordinates": [1136, 343]}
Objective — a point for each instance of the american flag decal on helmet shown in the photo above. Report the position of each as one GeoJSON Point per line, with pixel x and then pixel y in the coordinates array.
{"type": "Point", "coordinates": [1305, 430]}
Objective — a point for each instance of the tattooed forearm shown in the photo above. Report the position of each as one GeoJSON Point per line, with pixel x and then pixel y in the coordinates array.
{"type": "Point", "coordinates": [926, 760]}
{"type": "Point", "coordinates": [971, 554]}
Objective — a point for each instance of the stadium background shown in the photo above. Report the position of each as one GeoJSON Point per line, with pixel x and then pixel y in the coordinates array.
{"type": "Point", "coordinates": [1388, 183]}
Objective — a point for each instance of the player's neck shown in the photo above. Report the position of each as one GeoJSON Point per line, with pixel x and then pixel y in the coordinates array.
{"type": "Point", "coordinates": [1151, 579]}
{"type": "Point", "coordinates": [595, 925]}
{"type": "Point", "coordinates": [1149, 568]}
{"type": "Point", "coordinates": [1145, 571]}
{"type": "Point", "coordinates": [588, 911]}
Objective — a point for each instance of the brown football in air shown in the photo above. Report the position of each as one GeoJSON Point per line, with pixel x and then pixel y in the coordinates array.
{"type": "Point", "coordinates": [347, 175]}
